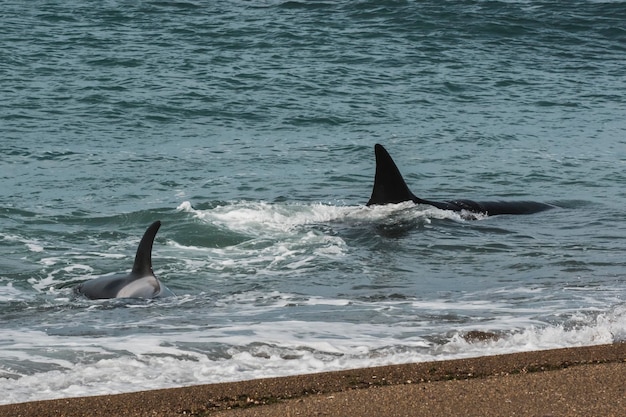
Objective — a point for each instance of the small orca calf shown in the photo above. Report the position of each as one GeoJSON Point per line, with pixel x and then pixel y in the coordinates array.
{"type": "Point", "coordinates": [139, 283]}
{"type": "Point", "coordinates": [390, 188]}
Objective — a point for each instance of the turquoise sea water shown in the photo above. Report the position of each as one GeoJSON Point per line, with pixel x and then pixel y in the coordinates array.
{"type": "Point", "coordinates": [247, 128]}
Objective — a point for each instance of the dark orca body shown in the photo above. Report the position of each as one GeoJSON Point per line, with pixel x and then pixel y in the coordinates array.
{"type": "Point", "coordinates": [139, 283]}
{"type": "Point", "coordinates": [390, 188]}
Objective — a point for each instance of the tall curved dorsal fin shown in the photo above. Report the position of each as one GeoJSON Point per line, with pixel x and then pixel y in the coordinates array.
{"type": "Point", "coordinates": [389, 186]}
{"type": "Point", "coordinates": [143, 258]}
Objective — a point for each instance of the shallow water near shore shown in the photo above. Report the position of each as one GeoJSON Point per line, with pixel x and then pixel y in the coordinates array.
{"type": "Point", "coordinates": [248, 128]}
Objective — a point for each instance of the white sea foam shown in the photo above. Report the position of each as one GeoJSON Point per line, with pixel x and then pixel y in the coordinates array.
{"type": "Point", "coordinates": [254, 350]}
{"type": "Point", "coordinates": [283, 237]}
{"type": "Point", "coordinates": [276, 244]}
{"type": "Point", "coordinates": [261, 217]}
{"type": "Point", "coordinates": [49, 282]}
{"type": "Point", "coordinates": [32, 244]}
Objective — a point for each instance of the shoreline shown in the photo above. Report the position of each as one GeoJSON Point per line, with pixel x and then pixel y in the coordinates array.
{"type": "Point", "coordinates": [567, 370]}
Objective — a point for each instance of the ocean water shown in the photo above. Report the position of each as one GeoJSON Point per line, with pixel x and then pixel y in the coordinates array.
{"type": "Point", "coordinates": [247, 128]}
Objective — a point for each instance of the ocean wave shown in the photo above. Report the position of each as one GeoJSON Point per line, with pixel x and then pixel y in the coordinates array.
{"type": "Point", "coordinates": [257, 350]}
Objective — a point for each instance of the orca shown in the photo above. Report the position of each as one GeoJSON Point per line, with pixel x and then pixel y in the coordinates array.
{"type": "Point", "coordinates": [390, 188]}
{"type": "Point", "coordinates": [139, 283]}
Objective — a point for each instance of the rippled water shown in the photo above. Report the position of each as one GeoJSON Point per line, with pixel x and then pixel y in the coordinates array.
{"type": "Point", "coordinates": [248, 128]}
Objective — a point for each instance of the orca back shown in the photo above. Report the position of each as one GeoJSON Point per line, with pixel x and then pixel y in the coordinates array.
{"type": "Point", "coordinates": [390, 188]}
{"type": "Point", "coordinates": [139, 283]}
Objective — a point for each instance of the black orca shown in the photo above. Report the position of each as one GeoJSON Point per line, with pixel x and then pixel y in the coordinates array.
{"type": "Point", "coordinates": [390, 188]}
{"type": "Point", "coordinates": [139, 283]}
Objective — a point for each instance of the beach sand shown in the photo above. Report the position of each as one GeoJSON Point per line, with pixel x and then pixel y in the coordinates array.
{"type": "Point", "coordinates": [584, 381]}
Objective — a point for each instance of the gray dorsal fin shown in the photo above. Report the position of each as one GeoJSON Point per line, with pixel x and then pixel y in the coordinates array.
{"type": "Point", "coordinates": [143, 258]}
{"type": "Point", "coordinates": [389, 186]}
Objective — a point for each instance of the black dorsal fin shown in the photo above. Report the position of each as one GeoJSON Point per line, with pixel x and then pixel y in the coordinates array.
{"type": "Point", "coordinates": [143, 258]}
{"type": "Point", "coordinates": [389, 186]}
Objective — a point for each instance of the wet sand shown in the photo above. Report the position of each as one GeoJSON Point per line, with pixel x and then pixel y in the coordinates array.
{"type": "Point", "coordinates": [585, 381]}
